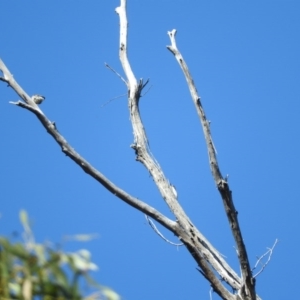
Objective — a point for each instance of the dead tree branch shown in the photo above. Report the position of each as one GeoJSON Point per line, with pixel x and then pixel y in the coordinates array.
{"type": "Point", "coordinates": [248, 283]}
{"type": "Point", "coordinates": [79, 160]}
{"type": "Point", "coordinates": [9, 79]}
{"type": "Point", "coordinates": [159, 233]}
{"type": "Point", "coordinates": [269, 252]}
{"type": "Point", "coordinates": [207, 257]}
{"type": "Point", "coordinates": [211, 263]}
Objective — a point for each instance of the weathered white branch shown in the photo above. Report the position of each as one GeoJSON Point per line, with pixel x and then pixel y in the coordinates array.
{"type": "Point", "coordinates": [207, 257]}
{"type": "Point", "coordinates": [121, 11]}
{"type": "Point", "coordinates": [196, 243]}
{"type": "Point", "coordinates": [247, 288]}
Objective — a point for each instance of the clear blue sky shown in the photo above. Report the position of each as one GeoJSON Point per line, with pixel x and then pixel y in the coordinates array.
{"type": "Point", "coordinates": [244, 57]}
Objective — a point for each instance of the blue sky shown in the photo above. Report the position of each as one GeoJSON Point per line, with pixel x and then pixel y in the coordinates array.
{"type": "Point", "coordinates": [244, 57]}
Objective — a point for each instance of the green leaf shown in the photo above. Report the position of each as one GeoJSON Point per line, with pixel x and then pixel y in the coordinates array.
{"type": "Point", "coordinates": [19, 250]}
{"type": "Point", "coordinates": [24, 219]}
{"type": "Point", "coordinates": [29, 270]}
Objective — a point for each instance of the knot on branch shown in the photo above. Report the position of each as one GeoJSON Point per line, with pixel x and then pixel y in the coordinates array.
{"type": "Point", "coordinates": [136, 149]}
{"type": "Point", "coordinates": [51, 126]}
{"type": "Point", "coordinates": [134, 146]}
{"type": "Point", "coordinates": [222, 185]}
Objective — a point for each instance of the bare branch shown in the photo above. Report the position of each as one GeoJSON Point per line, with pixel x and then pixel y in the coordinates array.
{"type": "Point", "coordinates": [270, 252]}
{"type": "Point", "coordinates": [147, 90]}
{"type": "Point", "coordinates": [80, 161]}
{"type": "Point", "coordinates": [196, 243]}
{"type": "Point", "coordinates": [212, 265]}
{"type": "Point", "coordinates": [132, 82]}
{"type": "Point", "coordinates": [110, 100]}
{"type": "Point", "coordinates": [159, 233]}
{"type": "Point", "coordinates": [114, 71]}
{"type": "Point", "coordinates": [248, 292]}
{"type": "Point", "coordinates": [9, 79]}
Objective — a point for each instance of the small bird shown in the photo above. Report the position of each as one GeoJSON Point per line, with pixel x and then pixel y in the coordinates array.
{"type": "Point", "coordinates": [38, 99]}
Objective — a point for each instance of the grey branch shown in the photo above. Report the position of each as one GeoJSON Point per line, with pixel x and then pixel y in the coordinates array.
{"type": "Point", "coordinates": [207, 257]}
{"type": "Point", "coordinates": [247, 288]}
{"type": "Point", "coordinates": [9, 79]}
{"type": "Point", "coordinates": [80, 161]}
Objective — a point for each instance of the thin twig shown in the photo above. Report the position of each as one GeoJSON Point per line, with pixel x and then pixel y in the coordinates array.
{"type": "Point", "coordinates": [113, 70]}
{"type": "Point", "coordinates": [270, 252]}
{"type": "Point", "coordinates": [110, 100]}
{"type": "Point", "coordinates": [146, 91]}
{"type": "Point", "coordinates": [159, 233]}
{"type": "Point", "coordinates": [210, 293]}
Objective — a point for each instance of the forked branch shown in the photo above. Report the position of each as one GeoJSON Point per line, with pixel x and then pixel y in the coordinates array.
{"type": "Point", "coordinates": [259, 260]}
{"type": "Point", "coordinates": [211, 263]}
{"type": "Point", "coordinates": [207, 257]}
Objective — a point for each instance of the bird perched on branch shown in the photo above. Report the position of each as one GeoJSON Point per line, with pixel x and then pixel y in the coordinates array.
{"type": "Point", "coordinates": [38, 99]}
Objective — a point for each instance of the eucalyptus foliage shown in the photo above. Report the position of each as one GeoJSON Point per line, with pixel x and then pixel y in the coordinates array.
{"type": "Point", "coordinates": [29, 270]}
